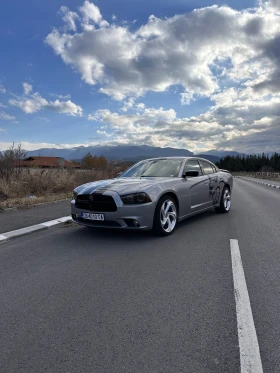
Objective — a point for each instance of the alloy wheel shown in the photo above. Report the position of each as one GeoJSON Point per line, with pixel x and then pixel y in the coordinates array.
{"type": "Point", "coordinates": [227, 199]}
{"type": "Point", "coordinates": [168, 216]}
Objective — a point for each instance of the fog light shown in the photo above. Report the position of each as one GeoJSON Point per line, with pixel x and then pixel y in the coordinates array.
{"type": "Point", "coordinates": [135, 222]}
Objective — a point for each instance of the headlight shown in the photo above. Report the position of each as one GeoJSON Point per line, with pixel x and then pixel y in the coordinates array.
{"type": "Point", "coordinates": [75, 194]}
{"type": "Point", "coordinates": [136, 199]}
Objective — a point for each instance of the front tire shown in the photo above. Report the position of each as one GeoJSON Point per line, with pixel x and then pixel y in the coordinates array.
{"type": "Point", "coordinates": [166, 216]}
{"type": "Point", "coordinates": [225, 202]}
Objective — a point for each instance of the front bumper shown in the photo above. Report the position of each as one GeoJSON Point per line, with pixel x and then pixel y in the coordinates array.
{"type": "Point", "coordinates": [123, 218]}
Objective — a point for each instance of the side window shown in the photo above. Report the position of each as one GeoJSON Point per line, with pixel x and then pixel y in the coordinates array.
{"type": "Point", "coordinates": [192, 165]}
{"type": "Point", "coordinates": [214, 168]}
{"type": "Point", "coordinates": [207, 167]}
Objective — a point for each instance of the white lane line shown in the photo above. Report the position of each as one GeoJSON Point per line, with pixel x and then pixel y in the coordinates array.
{"type": "Point", "coordinates": [259, 182]}
{"type": "Point", "coordinates": [33, 228]}
{"type": "Point", "coordinates": [250, 358]}
{"type": "Point", "coordinates": [56, 221]}
{"type": "Point", "coordinates": [3, 238]}
{"type": "Point", "coordinates": [23, 231]}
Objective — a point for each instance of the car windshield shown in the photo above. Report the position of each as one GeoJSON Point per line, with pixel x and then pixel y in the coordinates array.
{"type": "Point", "coordinates": [155, 168]}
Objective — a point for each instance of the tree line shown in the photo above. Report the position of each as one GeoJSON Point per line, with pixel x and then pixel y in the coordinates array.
{"type": "Point", "coordinates": [90, 162]}
{"type": "Point", "coordinates": [251, 163]}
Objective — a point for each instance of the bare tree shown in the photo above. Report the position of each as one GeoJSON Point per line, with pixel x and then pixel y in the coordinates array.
{"type": "Point", "coordinates": [10, 161]}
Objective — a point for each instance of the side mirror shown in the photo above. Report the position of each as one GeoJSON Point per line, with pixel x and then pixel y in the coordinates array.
{"type": "Point", "coordinates": [119, 174]}
{"type": "Point", "coordinates": [191, 173]}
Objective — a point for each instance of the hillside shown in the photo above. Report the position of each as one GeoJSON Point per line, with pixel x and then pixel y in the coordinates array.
{"type": "Point", "coordinates": [119, 152]}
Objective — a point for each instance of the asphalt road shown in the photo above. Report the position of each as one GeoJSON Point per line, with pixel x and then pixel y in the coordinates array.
{"type": "Point", "coordinates": [79, 300]}
{"type": "Point", "coordinates": [18, 219]}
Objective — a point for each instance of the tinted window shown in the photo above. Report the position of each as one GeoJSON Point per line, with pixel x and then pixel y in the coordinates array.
{"type": "Point", "coordinates": [214, 168]}
{"type": "Point", "coordinates": [207, 168]}
{"type": "Point", "coordinates": [192, 165]}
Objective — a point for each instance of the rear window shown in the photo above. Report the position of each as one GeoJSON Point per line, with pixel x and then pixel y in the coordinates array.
{"type": "Point", "coordinates": [207, 167]}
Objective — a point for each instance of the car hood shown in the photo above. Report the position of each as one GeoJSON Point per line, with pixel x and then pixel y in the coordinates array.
{"type": "Point", "coordinates": [121, 185]}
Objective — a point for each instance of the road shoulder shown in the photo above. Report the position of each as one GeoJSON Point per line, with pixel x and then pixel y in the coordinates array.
{"type": "Point", "coordinates": [19, 219]}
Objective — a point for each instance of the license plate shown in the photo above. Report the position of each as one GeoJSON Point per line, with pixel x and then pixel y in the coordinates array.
{"type": "Point", "coordinates": [88, 216]}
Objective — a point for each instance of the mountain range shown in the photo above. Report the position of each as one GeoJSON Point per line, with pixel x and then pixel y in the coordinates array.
{"type": "Point", "coordinates": [125, 152]}
{"type": "Point", "coordinates": [223, 153]}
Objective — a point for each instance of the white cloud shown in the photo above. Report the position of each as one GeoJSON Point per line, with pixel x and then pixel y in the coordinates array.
{"type": "Point", "coordinates": [37, 145]}
{"type": "Point", "coordinates": [179, 50]}
{"type": "Point", "coordinates": [66, 107]}
{"type": "Point", "coordinates": [229, 56]}
{"type": "Point", "coordinates": [31, 103]}
{"type": "Point", "coordinates": [273, 5]}
{"type": "Point", "coordinates": [2, 130]}
{"type": "Point", "coordinates": [69, 18]}
{"type": "Point", "coordinates": [140, 106]}
{"type": "Point", "coordinates": [186, 98]}
{"type": "Point", "coordinates": [2, 89]}
{"type": "Point", "coordinates": [128, 104]}
{"type": "Point", "coordinates": [104, 133]}
{"type": "Point", "coordinates": [91, 13]}
{"type": "Point", "coordinates": [5, 116]}
{"type": "Point", "coordinates": [236, 114]}
{"type": "Point", "coordinates": [64, 97]}
{"type": "Point", "coordinates": [27, 88]}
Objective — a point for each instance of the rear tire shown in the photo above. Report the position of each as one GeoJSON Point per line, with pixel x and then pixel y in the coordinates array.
{"type": "Point", "coordinates": [166, 216]}
{"type": "Point", "coordinates": [225, 202]}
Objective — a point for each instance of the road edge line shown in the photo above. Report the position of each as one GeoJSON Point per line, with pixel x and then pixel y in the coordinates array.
{"type": "Point", "coordinates": [3, 238]}
{"type": "Point", "coordinates": [250, 358]}
{"type": "Point", "coordinates": [258, 182]}
{"type": "Point", "coordinates": [33, 228]}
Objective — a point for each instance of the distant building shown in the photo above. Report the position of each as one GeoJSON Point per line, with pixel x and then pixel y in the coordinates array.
{"type": "Point", "coordinates": [46, 162]}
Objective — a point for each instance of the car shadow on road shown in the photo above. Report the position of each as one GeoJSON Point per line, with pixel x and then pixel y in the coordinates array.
{"type": "Point", "coordinates": [115, 236]}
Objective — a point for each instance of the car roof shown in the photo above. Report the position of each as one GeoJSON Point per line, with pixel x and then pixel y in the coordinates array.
{"type": "Point", "coordinates": [180, 157]}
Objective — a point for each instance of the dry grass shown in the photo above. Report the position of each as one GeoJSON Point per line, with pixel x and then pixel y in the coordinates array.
{"type": "Point", "coordinates": [46, 185]}
{"type": "Point", "coordinates": [29, 202]}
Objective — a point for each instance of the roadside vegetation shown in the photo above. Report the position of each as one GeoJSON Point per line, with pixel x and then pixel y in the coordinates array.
{"type": "Point", "coordinates": [21, 187]}
{"type": "Point", "coordinates": [251, 163]}
{"type": "Point", "coordinates": [261, 166]}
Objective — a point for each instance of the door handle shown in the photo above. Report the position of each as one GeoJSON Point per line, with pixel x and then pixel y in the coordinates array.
{"type": "Point", "coordinates": [206, 182]}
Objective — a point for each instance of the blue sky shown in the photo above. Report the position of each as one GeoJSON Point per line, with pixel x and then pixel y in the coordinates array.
{"type": "Point", "coordinates": [123, 76]}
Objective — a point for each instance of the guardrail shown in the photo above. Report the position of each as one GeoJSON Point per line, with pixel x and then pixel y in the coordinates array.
{"type": "Point", "coordinates": [261, 175]}
{"type": "Point", "coordinates": [271, 174]}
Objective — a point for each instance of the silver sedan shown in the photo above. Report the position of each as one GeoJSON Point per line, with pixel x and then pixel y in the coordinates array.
{"type": "Point", "coordinates": [154, 194]}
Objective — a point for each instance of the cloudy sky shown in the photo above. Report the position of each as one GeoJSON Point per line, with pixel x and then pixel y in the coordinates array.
{"type": "Point", "coordinates": [183, 73]}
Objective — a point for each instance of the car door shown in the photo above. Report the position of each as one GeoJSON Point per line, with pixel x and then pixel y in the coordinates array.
{"type": "Point", "coordinates": [198, 187]}
{"type": "Point", "coordinates": [214, 188]}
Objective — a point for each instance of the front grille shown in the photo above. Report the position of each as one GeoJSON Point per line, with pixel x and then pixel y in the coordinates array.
{"type": "Point", "coordinates": [96, 202]}
{"type": "Point", "coordinates": [97, 223]}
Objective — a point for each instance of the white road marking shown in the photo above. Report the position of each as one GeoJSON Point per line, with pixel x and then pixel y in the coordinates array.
{"type": "Point", "coordinates": [56, 221]}
{"type": "Point", "coordinates": [2, 237]}
{"type": "Point", "coordinates": [258, 182]}
{"type": "Point", "coordinates": [33, 228]}
{"type": "Point", "coordinates": [250, 358]}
